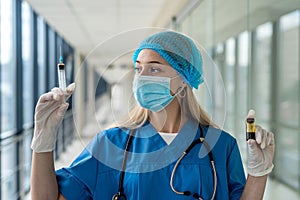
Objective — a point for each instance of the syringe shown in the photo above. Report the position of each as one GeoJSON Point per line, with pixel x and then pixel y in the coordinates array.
{"type": "Point", "coordinates": [61, 73]}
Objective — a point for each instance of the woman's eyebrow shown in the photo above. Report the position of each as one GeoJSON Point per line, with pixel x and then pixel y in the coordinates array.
{"type": "Point", "coordinates": [149, 62]}
{"type": "Point", "coordinates": [155, 62]}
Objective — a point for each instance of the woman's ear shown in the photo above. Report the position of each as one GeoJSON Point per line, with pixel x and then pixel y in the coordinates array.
{"type": "Point", "coordinates": [182, 90]}
{"type": "Point", "coordinates": [183, 84]}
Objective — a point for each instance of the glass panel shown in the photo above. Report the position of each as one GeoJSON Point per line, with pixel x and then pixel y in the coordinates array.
{"type": "Point", "coordinates": [69, 62]}
{"type": "Point", "coordinates": [8, 171]}
{"type": "Point", "coordinates": [229, 80]}
{"type": "Point", "coordinates": [26, 160]}
{"type": "Point", "coordinates": [52, 71]}
{"type": "Point", "coordinates": [27, 63]}
{"type": "Point", "coordinates": [242, 70]}
{"type": "Point", "coordinates": [242, 89]}
{"type": "Point", "coordinates": [218, 87]}
{"type": "Point", "coordinates": [287, 161]}
{"type": "Point", "coordinates": [42, 72]}
{"type": "Point", "coordinates": [262, 72]}
{"type": "Point", "coordinates": [289, 69]}
{"type": "Point", "coordinates": [216, 21]}
{"type": "Point", "coordinates": [288, 99]}
{"type": "Point", "coordinates": [8, 70]}
{"type": "Point", "coordinates": [201, 24]}
{"type": "Point", "coordinates": [229, 73]}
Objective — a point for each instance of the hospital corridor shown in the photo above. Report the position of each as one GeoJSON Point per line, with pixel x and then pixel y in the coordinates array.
{"type": "Point", "coordinates": [249, 53]}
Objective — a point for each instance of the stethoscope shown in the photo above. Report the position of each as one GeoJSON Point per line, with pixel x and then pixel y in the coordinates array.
{"type": "Point", "coordinates": [121, 196]}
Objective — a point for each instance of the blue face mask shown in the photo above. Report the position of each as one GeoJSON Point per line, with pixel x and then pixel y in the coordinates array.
{"type": "Point", "coordinates": [152, 92]}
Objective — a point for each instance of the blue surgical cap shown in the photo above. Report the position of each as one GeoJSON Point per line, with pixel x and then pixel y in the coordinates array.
{"type": "Point", "coordinates": [179, 51]}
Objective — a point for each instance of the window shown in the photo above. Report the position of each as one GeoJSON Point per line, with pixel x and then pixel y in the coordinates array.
{"type": "Point", "coordinates": [289, 69]}
{"type": "Point", "coordinates": [229, 79]}
{"type": "Point", "coordinates": [288, 168]}
{"type": "Point", "coordinates": [242, 76]}
{"type": "Point", "coordinates": [8, 170]}
{"type": "Point", "coordinates": [69, 62]}
{"type": "Point", "coordinates": [261, 71]}
{"type": "Point", "coordinates": [219, 87]}
{"type": "Point", "coordinates": [28, 94]}
{"type": "Point", "coordinates": [267, 78]}
{"type": "Point", "coordinates": [27, 60]}
{"type": "Point", "coordinates": [8, 69]}
{"type": "Point", "coordinates": [25, 41]}
{"type": "Point", "coordinates": [52, 71]}
{"type": "Point", "coordinates": [41, 54]}
{"type": "Point", "coordinates": [243, 48]}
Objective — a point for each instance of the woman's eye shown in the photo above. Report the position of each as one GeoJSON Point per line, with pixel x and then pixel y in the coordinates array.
{"type": "Point", "coordinates": [155, 70]}
{"type": "Point", "coordinates": [137, 70]}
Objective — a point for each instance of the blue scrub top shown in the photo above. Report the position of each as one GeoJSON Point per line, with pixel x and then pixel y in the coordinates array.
{"type": "Point", "coordinates": [95, 172]}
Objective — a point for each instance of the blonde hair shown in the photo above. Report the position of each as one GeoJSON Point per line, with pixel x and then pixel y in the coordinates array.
{"type": "Point", "coordinates": [138, 115]}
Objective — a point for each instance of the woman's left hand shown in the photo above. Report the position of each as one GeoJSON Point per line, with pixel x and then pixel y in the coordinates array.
{"type": "Point", "coordinates": [261, 152]}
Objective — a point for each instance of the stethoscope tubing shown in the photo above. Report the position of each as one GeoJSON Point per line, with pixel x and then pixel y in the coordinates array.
{"type": "Point", "coordinates": [121, 196]}
{"type": "Point", "coordinates": [187, 193]}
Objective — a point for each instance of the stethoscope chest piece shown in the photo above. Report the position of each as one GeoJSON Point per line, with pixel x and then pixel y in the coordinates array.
{"type": "Point", "coordinates": [119, 196]}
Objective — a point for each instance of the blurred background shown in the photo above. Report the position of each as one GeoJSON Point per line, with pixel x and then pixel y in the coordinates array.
{"type": "Point", "coordinates": [254, 45]}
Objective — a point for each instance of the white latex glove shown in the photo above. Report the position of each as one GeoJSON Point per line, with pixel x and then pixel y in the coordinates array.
{"type": "Point", "coordinates": [49, 112]}
{"type": "Point", "coordinates": [260, 151]}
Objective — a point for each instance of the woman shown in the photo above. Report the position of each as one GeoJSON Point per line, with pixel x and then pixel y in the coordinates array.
{"type": "Point", "coordinates": [142, 156]}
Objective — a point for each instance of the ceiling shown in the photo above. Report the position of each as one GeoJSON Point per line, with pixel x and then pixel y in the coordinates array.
{"type": "Point", "coordinates": [106, 32]}
{"type": "Point", "coordinates": [104, 29]}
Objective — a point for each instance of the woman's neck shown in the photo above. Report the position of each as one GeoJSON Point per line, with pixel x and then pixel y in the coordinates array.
{"type": "Point", "coordinates": [169, 120]}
